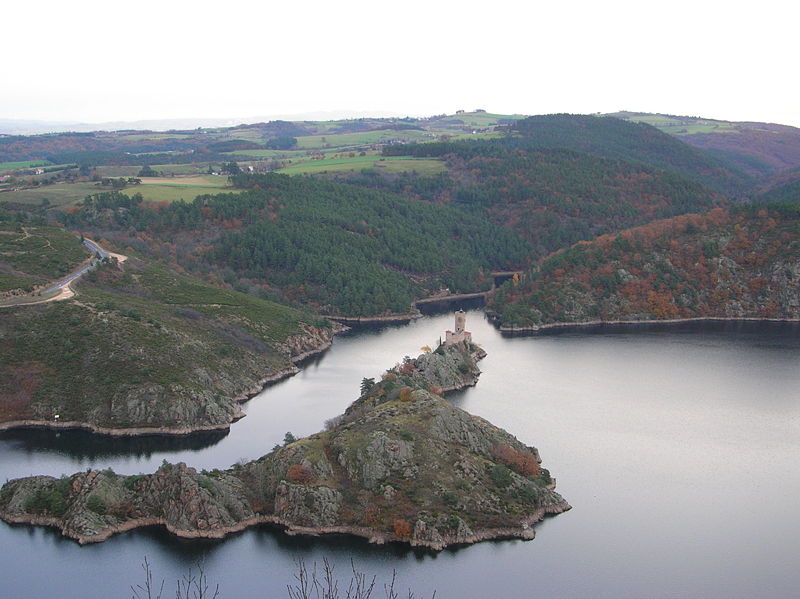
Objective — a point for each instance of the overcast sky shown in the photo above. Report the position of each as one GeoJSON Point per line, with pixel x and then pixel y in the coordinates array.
{"type": "Point", "coordinates": [95, 61]}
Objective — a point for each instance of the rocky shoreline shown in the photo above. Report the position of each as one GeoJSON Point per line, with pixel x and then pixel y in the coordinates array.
{"type": "Point", "coordinates": [523, 531]}
{"type": "Point", "coordinates": [612, 324]}
{"type": "Point", "coordinates": [402, 464]}
{"type": "Point", "coordinates": [180, 430]}
{"type": "Point", "coordinates": [375, 319]}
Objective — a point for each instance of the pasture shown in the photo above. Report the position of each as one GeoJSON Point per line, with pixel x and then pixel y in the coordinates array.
{"type": "Point", "coordinates": [7, 167]}
{"type": "Point", "coordinates": [389, 164]}
{"type": "Point", "coordinates": [58, 195]}
{"type": "Point", "coordinates": [172, 189]}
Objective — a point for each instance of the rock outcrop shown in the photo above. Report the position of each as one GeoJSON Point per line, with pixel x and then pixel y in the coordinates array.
{"type": "Point", "coordinates": [402, 464]}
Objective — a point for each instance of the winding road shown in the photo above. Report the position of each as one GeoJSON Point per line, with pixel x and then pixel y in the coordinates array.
{"type": "Point", "coordinates": [62, 289]}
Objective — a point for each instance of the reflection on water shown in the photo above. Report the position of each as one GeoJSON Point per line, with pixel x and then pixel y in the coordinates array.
{"type": "Point", "coordinates": [676, 448]}
{"type": "Point", "coordinates": [84, 445]}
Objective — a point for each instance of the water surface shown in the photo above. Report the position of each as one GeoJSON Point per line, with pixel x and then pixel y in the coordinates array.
{"type": "Point", "coordinates": [678, 451]}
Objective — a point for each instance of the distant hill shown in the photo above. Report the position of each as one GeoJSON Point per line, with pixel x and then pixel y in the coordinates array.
{"type": "Point", "coordinates": [742, 263]}
{"type": "Point", "coordinates": [758, 149]}
{"type": "Point", "coordinates": [630, 141]}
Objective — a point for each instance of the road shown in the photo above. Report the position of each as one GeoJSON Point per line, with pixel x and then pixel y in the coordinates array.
{"type": "Point", "coordinates": [101, 255]}
{"type": "Point", "coordinates": [61, 290]}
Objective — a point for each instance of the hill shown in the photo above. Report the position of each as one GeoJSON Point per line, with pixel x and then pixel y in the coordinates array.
{"type": "Point", "coordinates": [759, 149]}
{"type": "Point", "coordinates": [402, 465]}
{"type": "Point", "coordinates": [142, 349]}
{"type": "Point", "coordinates": [742, 263]}
{"type": "Point", "coordinates": [33, 256]}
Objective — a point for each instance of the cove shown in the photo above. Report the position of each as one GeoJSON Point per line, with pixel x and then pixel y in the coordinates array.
{"type": "Point", "coordinates": [677, 450]}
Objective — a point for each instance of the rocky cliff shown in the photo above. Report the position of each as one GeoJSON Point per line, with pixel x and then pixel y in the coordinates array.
{"type": "Point", "coordinates": [402, 464]}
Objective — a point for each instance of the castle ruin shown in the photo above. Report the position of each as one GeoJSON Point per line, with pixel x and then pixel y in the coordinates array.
{"type": "Point", "coordinates": [459, 335]}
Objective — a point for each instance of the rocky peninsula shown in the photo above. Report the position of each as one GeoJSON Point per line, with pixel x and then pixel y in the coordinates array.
{"type": "Point", "coordinates": [142, 349]}
{"type": "Point", "coordinates": [400, 465]}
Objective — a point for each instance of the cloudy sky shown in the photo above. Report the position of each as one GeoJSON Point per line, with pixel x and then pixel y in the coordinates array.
{"type": "Point", "coordinates": [95, 61]}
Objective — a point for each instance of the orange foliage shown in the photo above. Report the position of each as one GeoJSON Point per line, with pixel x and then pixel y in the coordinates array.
{"type": "Point", "coordinates": [403, 529]}
{"type": "Point", "coordinates": [298, 473]}
{"type": "Point", "coordinates": [521, 462]}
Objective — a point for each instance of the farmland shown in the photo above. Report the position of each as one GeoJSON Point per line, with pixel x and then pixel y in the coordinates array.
{"type": "Point", "coordinates": [393, 164]}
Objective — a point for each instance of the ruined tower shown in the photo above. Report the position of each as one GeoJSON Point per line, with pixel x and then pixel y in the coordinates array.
{"type": "Point", "coordinates": [460, 334]}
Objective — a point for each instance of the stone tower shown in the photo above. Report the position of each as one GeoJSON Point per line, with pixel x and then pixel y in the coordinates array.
{"type": "Point", "coordinates": [460, 334]}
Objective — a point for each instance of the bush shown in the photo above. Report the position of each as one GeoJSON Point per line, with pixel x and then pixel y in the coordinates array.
{"type": "Point", "coordinates": [500, 475]}
{"type": "Point", "coordinates": [96, 504]}
{"type": "Point", "coordinates": [402, 529]}
{"type": "Point", "coordinates": [298, 473]}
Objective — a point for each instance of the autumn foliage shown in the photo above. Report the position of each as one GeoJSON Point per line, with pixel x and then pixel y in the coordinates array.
{"type": "Point", "coordinates": [299, 473]}
{"type": "Point", "coordinates": [403, 529]}
{"type": "Point", "coordinates": [520, 461]}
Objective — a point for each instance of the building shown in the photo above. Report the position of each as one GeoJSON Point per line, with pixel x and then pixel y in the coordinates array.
{"type": "Point", "coordinates": [459, 335]}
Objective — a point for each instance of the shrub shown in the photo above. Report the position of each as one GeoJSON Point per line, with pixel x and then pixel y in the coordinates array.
{"type": "Point", "coordinates": [402, 529]}
{"type": "Point", "coordinates": [521, 462]}
{"type": "Point", "coordinates": [405, 394]}
{"type": "Point", "coordinates": [500, 475]}
{"type": "Point", "coordinates": [130, 482]}
{"type": "Point", "coordinates": [96, 504]}
{"type": "Point", "coordinates": [299, 473]}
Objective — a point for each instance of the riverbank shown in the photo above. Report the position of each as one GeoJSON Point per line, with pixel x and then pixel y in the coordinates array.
{"type": "Point", "coordinates": [180, 430]}
{"type": "Point", "coordinates": [619, 325]}
{"type": "Point", "coordinates": [397, 318]}
{"type": "Point", "coordinates": [523, 531]}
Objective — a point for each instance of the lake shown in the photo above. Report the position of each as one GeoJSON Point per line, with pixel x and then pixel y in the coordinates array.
{"type": "Point", "coordinates": [678, 451]}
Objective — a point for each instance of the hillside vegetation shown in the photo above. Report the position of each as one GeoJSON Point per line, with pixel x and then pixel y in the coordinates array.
{"type": "Point", "coordinates": [759, 149]}
{"type": "Point", "coordinates": [741, 263]}
{"type": "Point", "coordinates": [33, 256]}
{"type": "Point", "coordinates": [141, 347]}
{"type": "Point", "coordinates": [343, 249]}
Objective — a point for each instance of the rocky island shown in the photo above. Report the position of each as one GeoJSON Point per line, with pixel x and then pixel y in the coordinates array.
{"type": "Point", "coordinates": [402, 464]}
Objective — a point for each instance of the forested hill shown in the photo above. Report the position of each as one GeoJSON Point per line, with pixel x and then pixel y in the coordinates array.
{"type": "Point", "coordinates": [634, 142]}
{"type": "Point", "coordinates": [606, 137]}
{"type": "Point", "coordinates": [742, 263]}
{"type": "Point", "coordinates": [339, 248]}
{"type": "Point", "coordinates": [553, 197]}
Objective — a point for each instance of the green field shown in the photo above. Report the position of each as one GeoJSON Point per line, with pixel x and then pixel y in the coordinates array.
{"type": "Point", "coordinates": [391, 164]}
{"type": "Point", "coordinates": [60, 194]}
{"type": "Point", "coordinates": [483, 119]}
{"type": "Point", "coordinates": [6, 167]}
{"type": "Point", "coordinates": [264, 153]}
{"type": "Point", "coordinates": [679, 125]}
{"type": "Point", "coordinates": [168, 189]}
{"type": "Point", "coordinates": [342, 140]}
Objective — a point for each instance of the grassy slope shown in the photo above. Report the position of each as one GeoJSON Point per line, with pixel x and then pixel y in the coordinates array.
{"type": "Point", "coordinates": [31, 256]}
{"type": "Point", "coordinates": [141, 347]}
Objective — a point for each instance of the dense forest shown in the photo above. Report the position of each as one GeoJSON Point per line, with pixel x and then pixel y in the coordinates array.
{"type": "Point", "coordinates": [556, 197]}
{"type": "Point", "coordinates": [341, 248]}
{"type": "Point", "coordinates": [738, 263]}
{"type": "Point", "coordinates": [605, 137]}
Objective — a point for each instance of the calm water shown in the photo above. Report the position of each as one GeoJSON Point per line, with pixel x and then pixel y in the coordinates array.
{"type": "Point", "coordinates": [678, 451]}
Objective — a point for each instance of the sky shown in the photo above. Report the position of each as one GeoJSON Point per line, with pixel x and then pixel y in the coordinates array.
{"type": "Point", "coordinates": [98, 61]}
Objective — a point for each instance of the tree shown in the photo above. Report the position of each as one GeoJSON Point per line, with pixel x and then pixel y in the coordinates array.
{"type": "Point", "coordinates": [231, 168]}
{"type": "Point", "coordinates": [289, 438]}
{"type": "Point", "coordinates": [366, 385]}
